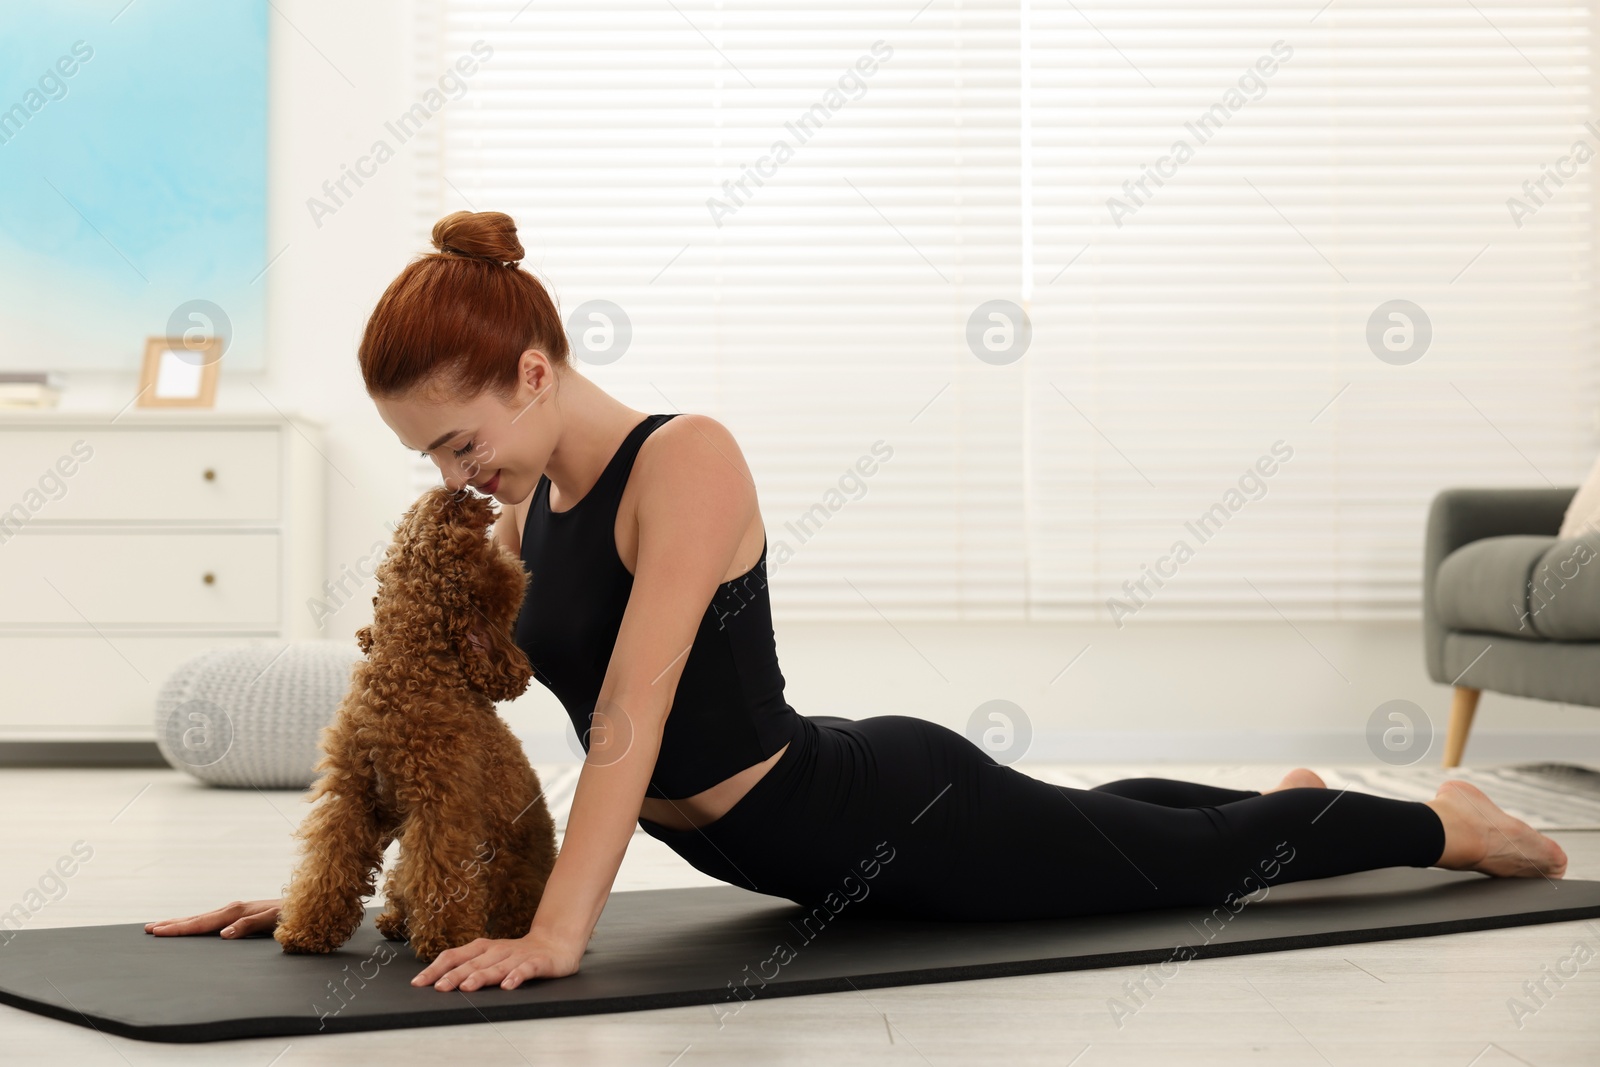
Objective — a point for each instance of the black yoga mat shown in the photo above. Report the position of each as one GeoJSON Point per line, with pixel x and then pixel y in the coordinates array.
{"type": "Point", "coordinates": [718, 945]}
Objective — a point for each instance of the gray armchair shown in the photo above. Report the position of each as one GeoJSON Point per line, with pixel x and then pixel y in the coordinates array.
{"type": "Point", "coordinates": [1506, 605]}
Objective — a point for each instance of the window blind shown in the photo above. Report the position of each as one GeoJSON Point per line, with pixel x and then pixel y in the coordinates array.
{"type": "Point", "coordinates": [1264, 258]}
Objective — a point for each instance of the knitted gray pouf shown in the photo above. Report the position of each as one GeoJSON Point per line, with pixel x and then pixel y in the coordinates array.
{"type": "Point", "coordinates": [252, 715]}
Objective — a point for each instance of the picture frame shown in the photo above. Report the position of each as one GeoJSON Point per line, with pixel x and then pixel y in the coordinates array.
{"type": "Point", "coordinates": [179, 372]}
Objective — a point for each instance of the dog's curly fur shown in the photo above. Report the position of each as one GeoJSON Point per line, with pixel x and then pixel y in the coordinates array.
{"type": "Point", "coordinates": [418, 752]}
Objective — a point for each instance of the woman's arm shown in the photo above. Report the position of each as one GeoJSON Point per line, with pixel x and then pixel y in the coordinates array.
{"type": "Point", "coordinates": [695, 502]}
{"type": "Point", "coordinates": [508, 523]}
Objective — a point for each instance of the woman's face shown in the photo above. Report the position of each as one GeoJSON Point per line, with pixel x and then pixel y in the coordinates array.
{"type": "Point", "coordinates": [498, 447]}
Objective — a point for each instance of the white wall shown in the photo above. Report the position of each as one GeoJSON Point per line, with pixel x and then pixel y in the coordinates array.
{"type": "Point", "coordinates": [1169, 692]}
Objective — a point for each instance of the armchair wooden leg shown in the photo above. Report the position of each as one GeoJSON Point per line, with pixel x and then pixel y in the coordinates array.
{"type": "Point", "coordinates": [1462, 707]}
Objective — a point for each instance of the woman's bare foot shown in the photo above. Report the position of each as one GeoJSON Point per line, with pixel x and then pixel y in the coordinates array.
{"type": "Point", "coordinates": [1478, 836]}
{"type": "Point", "coordinates": [1300, 778]}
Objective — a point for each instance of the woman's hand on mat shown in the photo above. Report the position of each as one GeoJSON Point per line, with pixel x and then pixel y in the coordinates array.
{"type": "Point", "coordinates": [238, 919]}
{"type": "Point", "coordinates": [505, 961]}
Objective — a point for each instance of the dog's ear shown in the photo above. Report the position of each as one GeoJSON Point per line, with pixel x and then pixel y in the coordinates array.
{"type": "Point", "coordinates": [492, 663]}
{"type": "Point", "coordinates": [364, 635]}
{"type": "Point", "coordinates": [472, 592]}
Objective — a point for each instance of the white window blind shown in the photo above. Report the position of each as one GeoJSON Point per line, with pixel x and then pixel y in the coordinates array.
{"type": "Point", "coordinates": [1191, 311]}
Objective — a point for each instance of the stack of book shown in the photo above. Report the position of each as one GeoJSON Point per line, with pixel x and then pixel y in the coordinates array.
{"type": "Point", "coordinates": [29, 389]}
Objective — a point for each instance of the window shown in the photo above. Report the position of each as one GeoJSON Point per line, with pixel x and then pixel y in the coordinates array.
{"type": "Point", "coordinates": [1288, 272]}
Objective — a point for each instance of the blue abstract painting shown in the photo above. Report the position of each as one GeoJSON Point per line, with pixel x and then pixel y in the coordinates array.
{"type": "Point", "coordinates": [132, 179]}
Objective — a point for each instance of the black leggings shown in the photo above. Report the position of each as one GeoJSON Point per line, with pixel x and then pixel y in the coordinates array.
{"type": "Point", "coordinates": [895, 815]}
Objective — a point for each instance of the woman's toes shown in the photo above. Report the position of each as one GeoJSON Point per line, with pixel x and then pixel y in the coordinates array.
{"type": "Point", "coordinates": [1546, 857]}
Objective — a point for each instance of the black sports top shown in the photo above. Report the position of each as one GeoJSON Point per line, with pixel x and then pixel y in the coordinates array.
{"type": "Point", "coordinates": [728, 711]}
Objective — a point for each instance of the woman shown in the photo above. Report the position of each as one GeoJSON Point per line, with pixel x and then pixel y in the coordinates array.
{"type": "Point", "coordinates": [648, 595]}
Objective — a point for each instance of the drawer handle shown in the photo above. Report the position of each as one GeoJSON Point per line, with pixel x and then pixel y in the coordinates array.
{"type": "Point", "coordinates": [209, 475]}
{"type": "Point", "coordinates": [208, 578]}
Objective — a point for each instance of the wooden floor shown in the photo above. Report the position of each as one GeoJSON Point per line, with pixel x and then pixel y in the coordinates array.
{"type": "Point", "coordinates": [165, 846]}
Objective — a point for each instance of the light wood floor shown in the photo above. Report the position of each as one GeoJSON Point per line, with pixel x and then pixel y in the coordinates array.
{"type": "Point", "coordinates": [166, 846]}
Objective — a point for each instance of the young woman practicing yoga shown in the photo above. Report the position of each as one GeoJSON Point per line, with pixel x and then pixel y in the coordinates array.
{"type": "Point", "coordinates": [647, 608]}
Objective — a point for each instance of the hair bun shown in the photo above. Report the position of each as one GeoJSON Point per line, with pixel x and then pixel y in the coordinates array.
{"type": "Point", "coordinates": [490, 235]}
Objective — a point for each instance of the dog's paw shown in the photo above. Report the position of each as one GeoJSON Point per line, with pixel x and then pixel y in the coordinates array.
{"type": "Point", "coordinates": [427, 951]}
{"type": "Point", "coordinates": [392, 926]}
{"type": "Point", "coordinates": [307, 942]}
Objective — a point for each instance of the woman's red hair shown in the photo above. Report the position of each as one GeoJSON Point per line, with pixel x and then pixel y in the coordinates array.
{"type": "Point", "coordinates": [458, 320]}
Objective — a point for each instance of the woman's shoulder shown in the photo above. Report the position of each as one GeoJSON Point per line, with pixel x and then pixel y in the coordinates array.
{"type": "Point", "coordinates": [691, 448]}
{"type": "Point", "coordinates": [690, 424]}
{"type": "Point", "coordinates": [691, 460]}
{"type": "Point", "coordinates": [695, 500]}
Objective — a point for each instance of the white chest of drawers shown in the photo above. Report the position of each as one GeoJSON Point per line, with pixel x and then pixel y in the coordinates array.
{"type": "Point", "coordinates": [131, 541]}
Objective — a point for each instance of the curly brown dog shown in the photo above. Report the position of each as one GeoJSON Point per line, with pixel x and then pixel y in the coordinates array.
{"type": "Point", "coordinates": [418, 752]}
